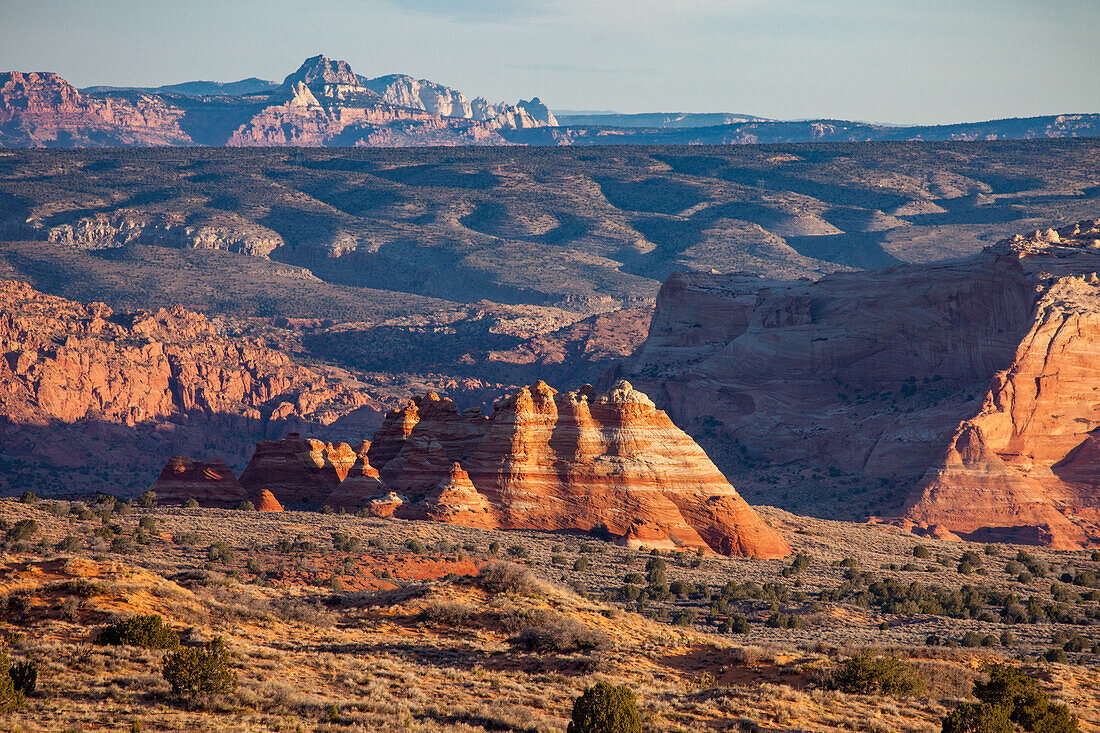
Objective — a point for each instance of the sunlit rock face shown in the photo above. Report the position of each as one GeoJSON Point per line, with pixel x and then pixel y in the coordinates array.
{"type": "Point", "coordinates": [972, 385]}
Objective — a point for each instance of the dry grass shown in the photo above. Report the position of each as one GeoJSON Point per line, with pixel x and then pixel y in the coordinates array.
{"type": "Point", "coordinates": [455, 640]}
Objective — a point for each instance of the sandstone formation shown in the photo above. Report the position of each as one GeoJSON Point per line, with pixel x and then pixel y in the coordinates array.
{"type": "Point", "coordinates": [359, 487]}
{"type": "Point", "coordinates": [322, 103]}
{"type": "Point", "coordinates": [325, 102]}
{"type": "Point", "coordinates": [972, 385]}
{"type": "Point", "coordinates": [82, 384]}
{"type": "Point", "coordinates": [44, 110]}
{"type": "Point", "coordinates": [211, 483]}
{"type": "Point", "coordinates": [297, 471]}
{"type": "Point", "coordinates": [574, 461]}
{"type": "Point", "coordinates": [124, 227]}
{"type": "Point", "coordinates": [265, 501]}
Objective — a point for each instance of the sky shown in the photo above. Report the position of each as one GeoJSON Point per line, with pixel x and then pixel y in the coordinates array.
{"type": "Point", "coordinates": [915, 62]}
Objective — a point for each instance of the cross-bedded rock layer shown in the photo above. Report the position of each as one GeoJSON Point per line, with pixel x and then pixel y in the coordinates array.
{"type": "Point", "coordinates": [579, 460]}
{"type": "Point", "coordinates": [972, 385]}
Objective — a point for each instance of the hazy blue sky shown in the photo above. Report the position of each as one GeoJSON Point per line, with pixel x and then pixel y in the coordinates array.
{"type": "Point", "coordinates": [879, 60]}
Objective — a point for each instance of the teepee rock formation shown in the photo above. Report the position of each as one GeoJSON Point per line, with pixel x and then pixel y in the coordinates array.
{"type": "Point", "coordinates": [265, 501]}
{"type": "Point", "coordinates": [297, 471]}
{"type": "Point", "coordinates": [456, 501]}
{"type": "Point", "coordinates": [577, 461]}
{"type": "Point", "coordinates": [211, 483]}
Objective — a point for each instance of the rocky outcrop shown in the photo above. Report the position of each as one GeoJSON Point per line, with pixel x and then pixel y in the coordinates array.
{"type": "Point", "coordinates": [405, 91]}
{"type": "Point", "coordinates": [44, 110]}
{"type": "Point", "coordinates": [82, 383]}
{"type": "Point", "coordinates": [578, 460]}
{"type": "Point", "coordinates": [322, 103]}
{"type": "Point", "coordinates": [455, 500]}
{"type": "Point", "coordinates": [538, 112]}
{"type": "Point", "coordinates": [970, 385]}
{"type": "Point", "coordinates": [265, 501]}
{"type": "Point", "coordinates": [297, 471]}
{"type": "Point", "coordinates": [359, 487]}
{"type": "Point", "coordinates": [126, 227]}
{"type": "Point", "coordinates": [211, 483]}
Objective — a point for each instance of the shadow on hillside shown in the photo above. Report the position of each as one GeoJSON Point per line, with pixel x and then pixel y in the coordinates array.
{"type": "Point", "coordinates": [59, 458]}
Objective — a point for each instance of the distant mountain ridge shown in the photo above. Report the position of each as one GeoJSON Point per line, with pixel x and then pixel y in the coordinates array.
{"type": "Point", "coordinates": [325, 103]}
{"type": "Point", "coordinates": [654, 120]}
{"type": "Point", "coordinates": [251, 85]}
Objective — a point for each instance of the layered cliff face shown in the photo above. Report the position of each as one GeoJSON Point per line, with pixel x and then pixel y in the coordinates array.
{"type": "Point", "coordinates": [577, 460]}
{"type": "Point", "coordinates": [322, 103]}
{"type": "Point", "coordinates": [297, 471]}
{"type": "Point", "coordinates": [211, 483]}
{"type": "Point", "coordinates": [81, 384]}
{"type": "Point", "coordinates": [122, 228]}
{"type": "Point", "coordinates": [970, 390]}
{"type": "Point", "coordinates": [44, 110]}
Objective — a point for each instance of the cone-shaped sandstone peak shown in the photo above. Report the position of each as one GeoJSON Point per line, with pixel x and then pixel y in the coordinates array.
{"type": "Point", "coordinates": [576, 460]}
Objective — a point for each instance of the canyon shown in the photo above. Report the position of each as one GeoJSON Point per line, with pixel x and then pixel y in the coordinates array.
{"type": "Point", "coordinates": [380, 274]}
{"type": "Point", "coordinates": [963, 397]}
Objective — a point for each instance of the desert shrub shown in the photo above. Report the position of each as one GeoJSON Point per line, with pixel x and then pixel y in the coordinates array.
{"type": "Point", "coordinates": [605, 708]}
{"type": "Point", "coordinates": [920, 551]}
{"type": "Point", "coordinates": [1056, 656]}
{"type": "Point", "coordinates": [415, 545]}
{"type": "Point", "coordinates": [971, 639]}
{"type": "Point", "coordinates": [867, 674]}
{"type": "Point", "coordinates": [148, 524]}
{"type": "Point", "coordinates": [973, 717]}
{"type": "Point", "coordinates": [81, 587]}
{"type": "Point", "coordinates": [735, 624]}
{"type": "Point", "coordinates": [655, 569]}
{"type": "Point", "coordinates": [1018, 699]}
{"type": "Point", "coordinates": [148, 631]}
{"type": "Point", "coordinates": [22, 530]}
{"type": "Point", "coordinates": [70, 543]}
{"type": "Point", "coordinates": [442, 613]}
{"type": "Point", "coordinates": [562, 635]}
{"type": "Point", "coordinates": [28, 498]}
{"type": "Point", "coordinates": [190, 503]}
{"type": "Point", "coordinates": [123, 545]}
{"type": "Point", "coordinates": [518, 551]}
{"type": "Point", "coordinates": [245, 506]}
{"type": "Point", "coordinates": [196, 672]}
{"type": "Point", "coordinates": [801, 562]}
{"type": "Point", "coordinates": [784, 621]}
{"type": "Point", "coordinates": [148, 499]}
{"type": "Point", "coordinates": [344, 542]}
{"type": "Point", "coordinates": [506, 577]}
{"type": "Point", "coordinates": [685, 617]}
{"type": "Point", "coordinates": [24, 676]}
{"type": "Point", "coordinates": [10, 696]}
{"type": "Point", "coordinates": [219, 552]}
{"type": "Point", "coordinates": [16, 605]}
{"type": "Point", "coordinates": [581, 564]}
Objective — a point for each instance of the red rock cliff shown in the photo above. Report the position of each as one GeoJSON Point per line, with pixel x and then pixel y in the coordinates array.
{"type": "Point", "coordinates": [972, 386]}
{"type": "Point", "coordinates": [81, 384]}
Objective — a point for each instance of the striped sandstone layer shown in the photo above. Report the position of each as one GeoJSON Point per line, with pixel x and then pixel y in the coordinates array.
{"type": "Point", "coordinates": [569, 461]}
